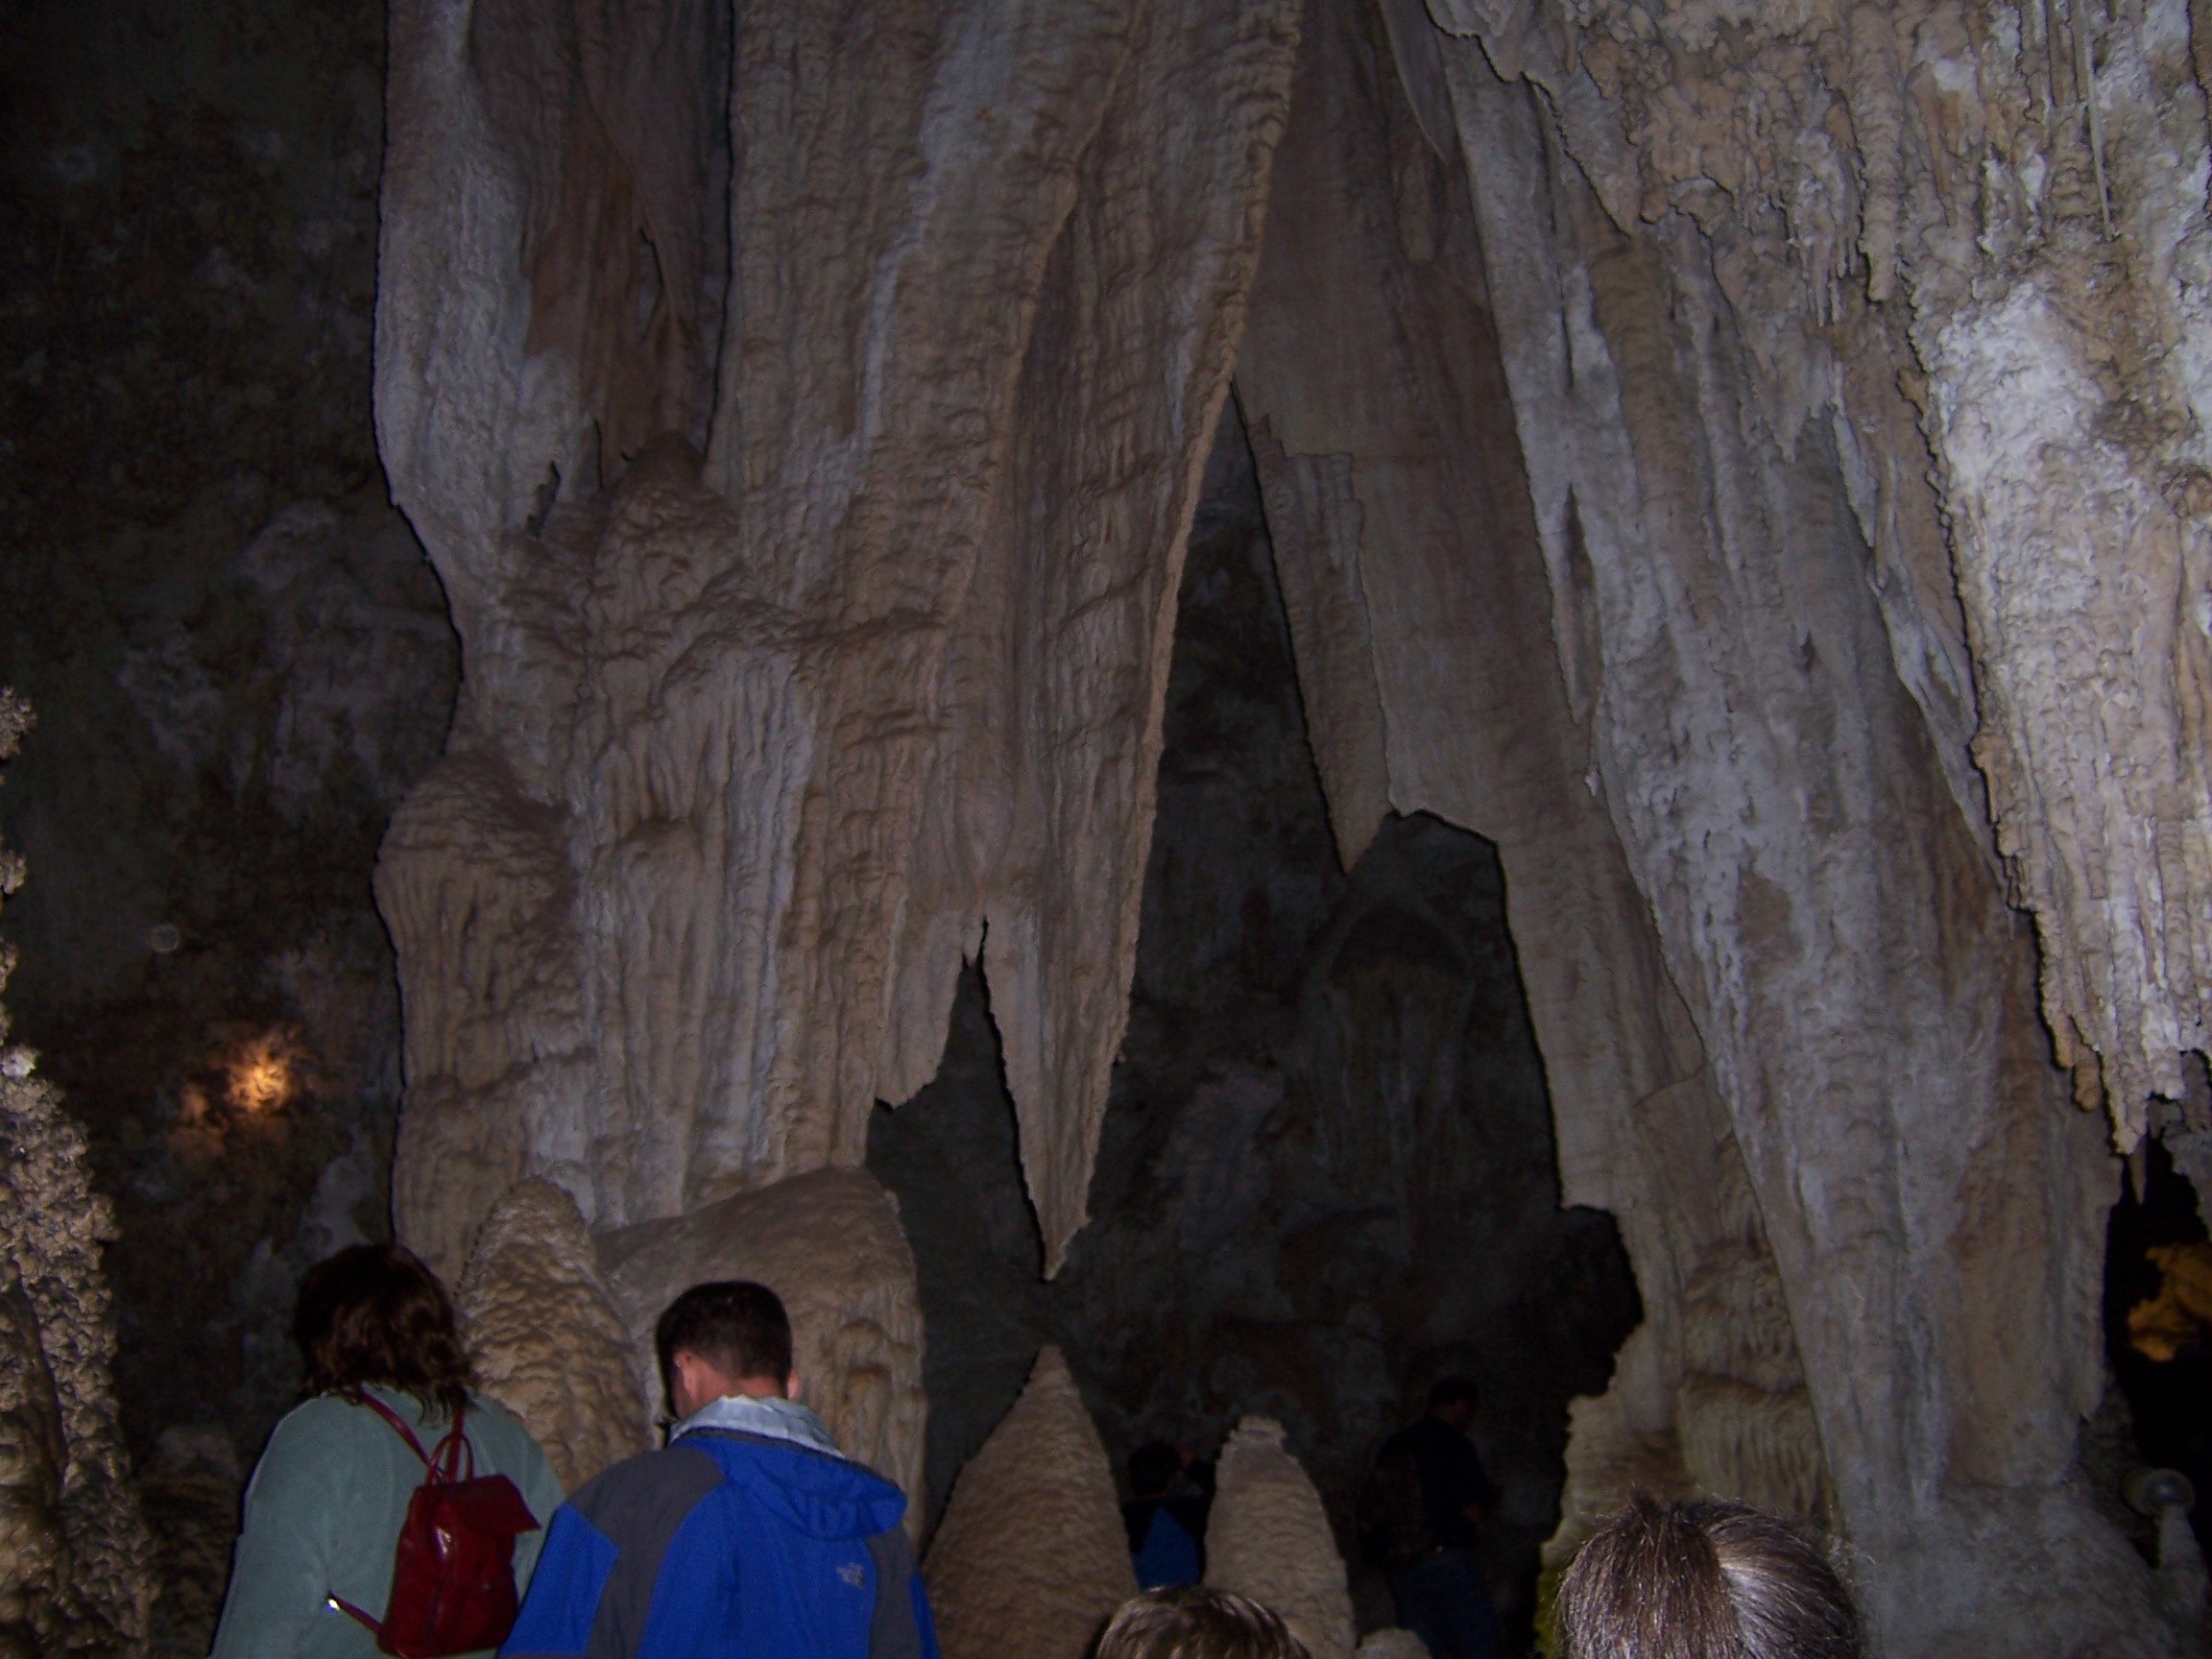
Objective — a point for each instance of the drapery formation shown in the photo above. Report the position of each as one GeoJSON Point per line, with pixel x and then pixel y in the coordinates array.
{"type": "Point", "coordinates": [1748, 463]}
{"type": "Point", "coordinates": [756, 747]}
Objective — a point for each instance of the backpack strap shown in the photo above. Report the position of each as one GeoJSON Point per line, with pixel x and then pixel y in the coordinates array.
{"type": "Point", "coordinates": [453, 1458]}
{"type": "Point", "coordinates": [347, 1608]}
{"type": "Point", "coordinates": [398, 1422]}
{"type": "Point", "coordinates": [447, 1460]}
{"type": "Point", "coordinates": [444, 1465]}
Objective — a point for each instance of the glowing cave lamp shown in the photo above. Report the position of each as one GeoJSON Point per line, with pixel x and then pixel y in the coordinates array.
{"type": "Point", "coordinates": [261, 1074]}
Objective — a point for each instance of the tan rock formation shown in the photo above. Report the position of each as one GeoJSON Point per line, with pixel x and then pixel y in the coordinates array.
{"type": "Point", "coordinates": [545, 1336]}
{"type": "Point", "coordinates": [190, 1496]}
{"type": "Point", "coordinates": [747, 759]}
{"type": "Point", "coordinates": [1269, 1538]}
{"type": "Point", "coordinates": [1610, 1459]}
{"type": "Point", "coordinates": [829, 1244]}
{"type": "Point", "coordinates": [1798, 819]}
{"type": "Point", "coordinates": [34, 1551]}
{"type": "Point", "coordinates": [1030, 1559]}
{"type": "Point", "coordinates": [1864, 996]}
{"type": "Point", "coordinates": [2077, 292]}
{"type": "Point", "coordinates": [59, 1345]}
{"type": "Point", "coordinates": [1600, 360]}
{"type": "Point", "coordinates": [1413, 574]}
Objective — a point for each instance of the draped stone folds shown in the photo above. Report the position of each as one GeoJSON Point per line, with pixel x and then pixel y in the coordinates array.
{"type": "Point", "coordinates": [1971, 239]}
{"type": "Point", "coordinates": [1751, 463]}
{"type": "Point", "coordinates": [769, 719]}
{"type": "Point", "coordinates": [1691, 610]}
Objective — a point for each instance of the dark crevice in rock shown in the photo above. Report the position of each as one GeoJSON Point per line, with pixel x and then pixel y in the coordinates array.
{"type": "Point", "coordinates": [1327, 1172]}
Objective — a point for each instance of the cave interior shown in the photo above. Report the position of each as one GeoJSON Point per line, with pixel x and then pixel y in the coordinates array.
{"type": "Point", "coordinates": [1288, 696]}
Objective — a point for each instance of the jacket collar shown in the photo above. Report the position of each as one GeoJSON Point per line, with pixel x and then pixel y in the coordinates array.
{"type": "Point", "coordinates": [768, 1416]}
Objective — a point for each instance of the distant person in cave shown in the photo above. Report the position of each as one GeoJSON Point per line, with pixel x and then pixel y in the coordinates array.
{"type": "Point", "coordinates": [385, 1374]}
{"type": "Point", "coordinates": [1167, 1518]}
{"type": "Point", "coordinates": [748, 1533]}
{"type": "Point", "coordinates": [1704, 1581]}
{"type": "Point", "coordinates": [1421, 1516]}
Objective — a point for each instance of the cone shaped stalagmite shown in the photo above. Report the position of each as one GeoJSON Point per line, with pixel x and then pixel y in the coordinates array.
{"type": "Point", "coordinates": [544, 1338]}
{"type": "Point", "coordinates": [1030, 1559]}
{"type": "Point", "coordinates": [1270, 1539]}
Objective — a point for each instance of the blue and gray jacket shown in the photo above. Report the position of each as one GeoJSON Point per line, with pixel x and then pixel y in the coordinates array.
{"type": "Point", "coordinates": [747, 1537]}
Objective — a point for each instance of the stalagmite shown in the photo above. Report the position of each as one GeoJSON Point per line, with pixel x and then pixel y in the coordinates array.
{"type": "Point", "coordinates": [1030, 1559]}
{"type": "Point", "coordinates": [829, 1244]}
{"type": "Point", "coordinates": [75, 1561]}
{"type": "Point", "coordinates": [546, 1338]}
{"type": "Point", "coordinates": [1269, 1538]}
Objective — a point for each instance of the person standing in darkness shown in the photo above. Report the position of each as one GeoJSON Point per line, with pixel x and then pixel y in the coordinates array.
{"type": "Point", "coordinates": [1438, 1589]}
{"type": "Point", "coordinates": [1167, 1518]}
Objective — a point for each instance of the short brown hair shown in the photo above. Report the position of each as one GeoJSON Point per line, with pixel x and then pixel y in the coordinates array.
{"type": "Point", "coordinates": [734, 1325]}
{"type": "Point", "coordinates": [1704, 1581]}
{"type": "Point", "coordinates": [375, 1314]}
{"type": "Point", "coordinates": [1190, 1621]}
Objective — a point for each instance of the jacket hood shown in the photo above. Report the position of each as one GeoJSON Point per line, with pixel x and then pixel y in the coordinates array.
{"type": "Point", "coordinates": [770, 1416]}
{"type": "Point", "coordinates": [821, 1494]}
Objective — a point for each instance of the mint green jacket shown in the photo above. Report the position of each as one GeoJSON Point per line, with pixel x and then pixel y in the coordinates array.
{"type": "Point", "coordinates": [323, 1513]}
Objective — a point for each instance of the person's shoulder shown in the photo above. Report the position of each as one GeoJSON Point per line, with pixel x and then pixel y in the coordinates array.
{"type": "Point", "coordinates": [675, 1476]}
{"type": "Point", "coordinates": [327, 1419]}
{"type": "Point", "coordinates": [317, 1440]}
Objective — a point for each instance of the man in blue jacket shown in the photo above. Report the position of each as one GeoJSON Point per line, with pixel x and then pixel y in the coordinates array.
{"type": "Point", "coordinates": [749, 1536]}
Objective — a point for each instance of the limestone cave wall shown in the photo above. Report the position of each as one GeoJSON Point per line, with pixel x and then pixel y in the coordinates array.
{"type": "Point", "coordinates": [1746, 463]}
{"type": "Point", "coordinates": [755, 742]}
{"type": "Point", "coordinates": [1598, 369]}
{"type": "Point", "coordinates": [1326, 1175]}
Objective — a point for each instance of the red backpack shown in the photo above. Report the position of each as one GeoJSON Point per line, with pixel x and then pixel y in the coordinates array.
{"type": "Point", "coordinates": [453, 1570]}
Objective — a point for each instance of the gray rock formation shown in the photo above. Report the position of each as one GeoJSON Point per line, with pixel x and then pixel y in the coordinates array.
{"type": "Point", "coordinates": [1329, 1105]}
{"type": "Point", "coordinates": [1777, 739]}
{"type": "Point", "coordinates": [753, 749]}
{"type": "Point", "coordinates": [1030, 1560]}
{"type": "Point", "coordinates": [75, 1561]}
